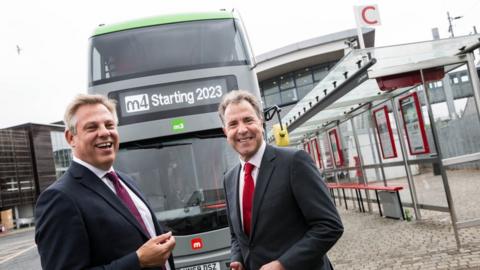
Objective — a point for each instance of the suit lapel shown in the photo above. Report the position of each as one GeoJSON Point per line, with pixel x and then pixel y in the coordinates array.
{"type": "Point", "coordinates": [90, 181]}
{"type": "Point", "coordinates": [236, 202]}
{"type": "Point", "coordinates": [263, 179]}
{"type": "Point", "coordinates": [126, 179]}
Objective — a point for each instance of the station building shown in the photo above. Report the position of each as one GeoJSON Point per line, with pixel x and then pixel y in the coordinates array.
{"type": "Point", "coordinates": [288, 74]}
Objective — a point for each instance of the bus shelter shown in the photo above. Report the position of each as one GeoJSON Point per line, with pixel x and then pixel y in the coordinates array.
{"type": "Point", "coordinates": [400, 115]}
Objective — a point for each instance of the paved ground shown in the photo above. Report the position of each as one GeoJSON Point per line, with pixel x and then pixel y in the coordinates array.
{"type": "Point", "coordinates": [464, 186]}
{"type": "Point", "coordinates": [369, 242]}
{"type": "Point", "coordinates": [373, 242]}
{"type": "Point", "coordinates": [18, 250]}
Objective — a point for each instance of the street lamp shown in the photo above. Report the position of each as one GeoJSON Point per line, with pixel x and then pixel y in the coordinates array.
{"type": "Point", "coordinates": [450, 19]}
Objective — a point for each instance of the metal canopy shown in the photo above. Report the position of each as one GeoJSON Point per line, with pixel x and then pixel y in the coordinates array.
{"type": "Point", "coordinates": [345, 87]}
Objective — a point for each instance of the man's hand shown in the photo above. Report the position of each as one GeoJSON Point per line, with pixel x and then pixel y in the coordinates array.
{"type": "Point", "coordinates": [156, 251]}
{"type": "Point", "coordinates": [275, 265]}
{"type": "Point", "coordinates": [236, 266]}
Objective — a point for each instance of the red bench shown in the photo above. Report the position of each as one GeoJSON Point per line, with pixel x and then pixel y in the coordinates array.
{"type": "Point", "coordinates": [359, 187]}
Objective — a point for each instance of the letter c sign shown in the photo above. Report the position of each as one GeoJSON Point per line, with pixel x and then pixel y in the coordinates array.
{"type": "Point", "coordinates": [368, 15]}
{"type": "Point", "coordinates": [365, 17]}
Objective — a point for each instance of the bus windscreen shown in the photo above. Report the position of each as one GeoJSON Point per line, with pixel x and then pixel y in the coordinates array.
{"type": "Point", "coordinates": [184, 188]}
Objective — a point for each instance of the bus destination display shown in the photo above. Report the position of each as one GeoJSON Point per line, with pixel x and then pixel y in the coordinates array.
{"type": "Point", "coordinates": [173, 96]}
{"type": "Point", "coordinates": [172, 100]}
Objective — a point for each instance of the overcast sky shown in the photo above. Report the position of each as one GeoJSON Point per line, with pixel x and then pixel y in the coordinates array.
{"type": "Point", "coordinates": [51, 67]}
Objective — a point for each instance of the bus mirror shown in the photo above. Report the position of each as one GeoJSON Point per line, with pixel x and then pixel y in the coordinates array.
{"type": "Point", "coordinates": [281, 135]}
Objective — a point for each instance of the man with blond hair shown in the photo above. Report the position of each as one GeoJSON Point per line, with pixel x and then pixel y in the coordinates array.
{"type": "Point", "coordinates": [280, 213]}
{"type": "Point", "coordinates": [94, 217]}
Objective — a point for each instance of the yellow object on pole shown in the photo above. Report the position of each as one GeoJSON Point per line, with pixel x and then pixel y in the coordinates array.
{"type": "Point", "coordinates": [281, 136]}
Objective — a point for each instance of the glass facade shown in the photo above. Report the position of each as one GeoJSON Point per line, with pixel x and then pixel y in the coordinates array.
{"type": "Point", "coordinates": [289, 88]}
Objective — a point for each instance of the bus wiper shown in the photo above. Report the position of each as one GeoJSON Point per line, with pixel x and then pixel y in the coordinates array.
{"type": "Point", "coordinates": [158, 145]}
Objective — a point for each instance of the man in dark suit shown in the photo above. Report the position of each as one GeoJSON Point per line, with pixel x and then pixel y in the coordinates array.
{"type": "Point", "coordinates": [280, 212]}
{"type": "Point", "coordinates": [94, 217]}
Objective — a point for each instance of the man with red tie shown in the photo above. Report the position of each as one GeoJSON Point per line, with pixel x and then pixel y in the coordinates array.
{"type": "Point", "coordinates": [94, 217]}
{"type": "Point", "coordinates": [280, 213]}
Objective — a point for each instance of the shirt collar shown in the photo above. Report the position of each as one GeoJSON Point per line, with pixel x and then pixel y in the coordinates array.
{"type": "Point", "coordinates": [256, 159]}
{"type": "Point", "coordinates": [98, 172]}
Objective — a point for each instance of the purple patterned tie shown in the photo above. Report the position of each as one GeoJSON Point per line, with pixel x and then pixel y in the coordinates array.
{"type": "Point", "coordinates": [122, 193]}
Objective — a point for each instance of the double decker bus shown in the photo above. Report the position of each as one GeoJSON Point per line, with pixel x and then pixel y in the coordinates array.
{"type": "Point", "coordinates": [168, 75]}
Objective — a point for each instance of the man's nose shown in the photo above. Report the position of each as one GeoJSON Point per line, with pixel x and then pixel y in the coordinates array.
{"type": "Point", "coordinates": [103, 131]}
{"type": "Point", "coordinates": [242, 128]}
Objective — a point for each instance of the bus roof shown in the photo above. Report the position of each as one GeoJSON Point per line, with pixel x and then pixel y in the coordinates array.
{"type": "Point", "coordinates": [163, 19]}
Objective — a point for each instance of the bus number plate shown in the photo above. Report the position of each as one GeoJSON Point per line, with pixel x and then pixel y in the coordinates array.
{"type": "Point", "coordinates": [207, 266]}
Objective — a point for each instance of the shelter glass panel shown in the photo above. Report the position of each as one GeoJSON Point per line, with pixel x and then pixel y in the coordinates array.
{"type": "Point", "coordinates": [323, 146]}
{"type": "Point", "coordinates": [397, 176]}
{"type": "Point", "coordinates": [428, 185]}
{"type": "Point", "coordinates": [328, 158]}
{"type": "Point", "coordinates": [465, 188]}
{"type": "Point", "coordinates": [456, 119]}
{"type": "Point", "coordinates": [348, 145]}
{"type": "Point", "coordinates": [374, 176]}
{"type": "Point", "coordinates": [365, 137]}
{"type": "Point", "coordinates": [458, 127]}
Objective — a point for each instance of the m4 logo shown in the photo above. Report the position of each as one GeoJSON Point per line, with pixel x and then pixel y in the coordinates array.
{"type": "Point", "coordinates": [197, 243]}
{"type": "Point", "coordinates": [137, 103]}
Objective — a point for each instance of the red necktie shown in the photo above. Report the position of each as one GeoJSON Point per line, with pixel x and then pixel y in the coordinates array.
{"type": "Point", "coordinates": [122, 193]}
{"type": "Point", "coordinates": [247, 199]}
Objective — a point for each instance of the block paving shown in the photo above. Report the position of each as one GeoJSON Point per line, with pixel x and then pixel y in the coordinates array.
{"type": "Point", "coordinates": [373, 242]}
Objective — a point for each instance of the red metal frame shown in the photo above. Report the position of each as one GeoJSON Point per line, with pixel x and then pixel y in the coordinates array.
{"type": "Point", "coordinates": [390, 132]}
{"type": "Point", "coordinates": [319, 155]}
{"type": "Point", "coordinates": [306, 147]}
{"type": "Point", "coordinates": [395, 81]}
{"type": "Point", "coordinates": [414, 95]}
{"type": "Point", "coordinates": [338, 163]}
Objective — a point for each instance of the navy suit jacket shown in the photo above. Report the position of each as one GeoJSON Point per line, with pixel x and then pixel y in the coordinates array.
{"type": "Point", "coordinates": [293, 218]}
{"type": "Point", "coordinates": [82, 224]}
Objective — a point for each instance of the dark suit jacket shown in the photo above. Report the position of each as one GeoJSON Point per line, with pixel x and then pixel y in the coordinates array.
{"type": "Point", "coordinates": [294, 219]}
{"type": "Point", "coordinates": [82, 224]}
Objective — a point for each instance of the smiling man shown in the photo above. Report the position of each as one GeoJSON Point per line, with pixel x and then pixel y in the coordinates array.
{"type": "Point", "coordinates": [94, 217]}
{"type": "Point", "coordinates": [280, 213]}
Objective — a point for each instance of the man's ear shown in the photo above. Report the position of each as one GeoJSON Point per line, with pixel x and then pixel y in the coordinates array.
{"type": "Point", "coordinates": [69, 138]}
{"type": "Point", "coordinates": [224, 131]}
